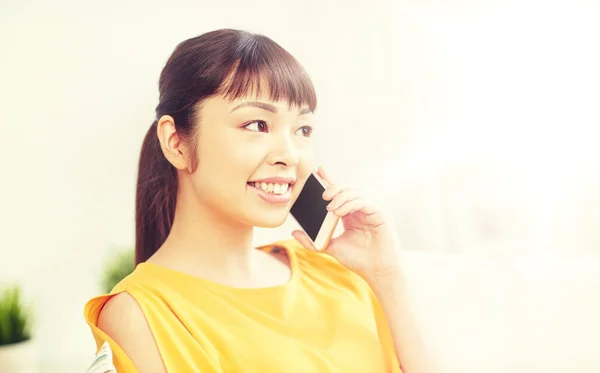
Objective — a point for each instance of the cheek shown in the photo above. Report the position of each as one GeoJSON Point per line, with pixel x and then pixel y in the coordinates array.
{"type": "Point", "coordinates": [211, 177]}
{"type": "Point", "coordinates": [305, 167]}
{"type": "Point", "coordinates": [306, 161]}
{"type": "Point", "coordinates": [222, 153]}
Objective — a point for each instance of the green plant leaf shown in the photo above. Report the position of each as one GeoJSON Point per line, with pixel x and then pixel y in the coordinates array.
{"type": "Point", "coordinates": [117, 268]}
{"type": "Point", "coordinates": [15, 318]}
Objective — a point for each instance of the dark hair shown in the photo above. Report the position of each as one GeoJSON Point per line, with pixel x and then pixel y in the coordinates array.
{"type": "Point", "coordinates": [230, 63]}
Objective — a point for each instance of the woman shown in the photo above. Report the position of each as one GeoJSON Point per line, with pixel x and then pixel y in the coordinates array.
{"type": "Point", "coordinates": [235, 110]}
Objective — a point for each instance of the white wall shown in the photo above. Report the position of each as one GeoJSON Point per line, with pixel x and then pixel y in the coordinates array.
{"type": "Point", "coordinates": [474, 122]}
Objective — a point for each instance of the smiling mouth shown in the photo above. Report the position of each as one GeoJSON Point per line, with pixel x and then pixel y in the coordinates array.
{"type": "Point", "coordinates": [271, 188]}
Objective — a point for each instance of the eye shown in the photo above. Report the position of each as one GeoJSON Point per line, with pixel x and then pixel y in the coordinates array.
{"type": "Point", "coordinates": [257, 125]}
{"type": "Point", "coordinates": [305, 131]}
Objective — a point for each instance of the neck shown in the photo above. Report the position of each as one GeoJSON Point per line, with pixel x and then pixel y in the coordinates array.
{"type": "Point", "coordinates": [204, 238]}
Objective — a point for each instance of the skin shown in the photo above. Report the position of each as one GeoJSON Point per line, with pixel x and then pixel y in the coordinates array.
{"type": "Point", "coordinates": [216, 212]}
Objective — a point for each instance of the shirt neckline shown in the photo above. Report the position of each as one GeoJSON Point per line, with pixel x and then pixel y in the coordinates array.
{"type": "Point", "coordinates": [294, 277]}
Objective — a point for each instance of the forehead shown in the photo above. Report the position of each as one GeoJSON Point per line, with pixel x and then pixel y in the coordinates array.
{"type": "Point", "coordinates": [250, 91]}
{"type": "Point", "coordinates": [285, 91]}
{"type": "Point", "coordinates": [225, 105]}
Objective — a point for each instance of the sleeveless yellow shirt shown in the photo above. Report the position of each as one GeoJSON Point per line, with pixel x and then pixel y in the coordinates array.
{"type": "Point", "coordinates": [325, 319]}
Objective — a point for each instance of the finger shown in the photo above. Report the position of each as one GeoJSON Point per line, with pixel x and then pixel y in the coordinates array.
{"type": "Point", "coordinates": [359, 204]}
{"type": "Point", "coordinates": [341, 198]}
{"type": "Point", "coordinates": [333, 190]}
{"type": "Point", "coordinates": [324, 175]}
{"type": "Point", "coordinates": [304, 240]}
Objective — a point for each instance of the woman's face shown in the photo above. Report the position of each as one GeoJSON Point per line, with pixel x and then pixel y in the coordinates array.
{"type": "Point", "coordinates": [254, 156]}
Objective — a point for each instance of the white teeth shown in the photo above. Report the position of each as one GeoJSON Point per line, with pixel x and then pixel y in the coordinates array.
{"type": "Point", "coordinates": [281, 188]}
{"type": "Point", "coordinates": [272, 188]}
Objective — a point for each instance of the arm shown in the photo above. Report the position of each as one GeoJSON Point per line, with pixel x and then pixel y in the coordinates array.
{"type": "Point", "coordinates": [122, 319]}
{"type": "Point", "coordinates": [395, 299]}
{"type": "Point", "coordinates": [370, 247]}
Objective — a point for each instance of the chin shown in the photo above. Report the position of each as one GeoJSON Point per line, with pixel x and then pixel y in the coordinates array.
{"type": "Point", "coordinates": [270, 223]}
{"type": "Point", "coordinates": [269, 220]}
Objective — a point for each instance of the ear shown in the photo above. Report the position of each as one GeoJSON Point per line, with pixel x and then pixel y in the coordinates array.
{"type": "Point", "coordinates": [170, 142]}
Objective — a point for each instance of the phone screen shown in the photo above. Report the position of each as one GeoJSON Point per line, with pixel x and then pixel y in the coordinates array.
{"type": "Point", "coordinates": [310, 209]}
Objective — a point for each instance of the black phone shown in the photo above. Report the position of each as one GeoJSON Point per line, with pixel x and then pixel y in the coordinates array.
{"type": "Point", "coordinates": [310, 211]}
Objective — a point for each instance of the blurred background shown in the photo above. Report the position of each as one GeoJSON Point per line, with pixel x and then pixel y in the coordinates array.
{"type": "Point", "coordinates": [476, 123]}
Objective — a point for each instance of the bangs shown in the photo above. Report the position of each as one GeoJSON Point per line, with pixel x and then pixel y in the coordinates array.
{"type": "Point", "coordinates": [263, 67]}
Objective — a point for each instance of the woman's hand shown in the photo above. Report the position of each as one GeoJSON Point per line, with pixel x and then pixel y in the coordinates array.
{"type": "Point", "coordinates": [369, 245]}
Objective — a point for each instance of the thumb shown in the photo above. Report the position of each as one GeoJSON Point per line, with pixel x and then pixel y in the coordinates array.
{"type": "Point", "coordinates": [304, 240]}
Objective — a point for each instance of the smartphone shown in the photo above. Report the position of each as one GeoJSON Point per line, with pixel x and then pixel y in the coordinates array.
{"type": "Point", "coordinates": [310, 211]}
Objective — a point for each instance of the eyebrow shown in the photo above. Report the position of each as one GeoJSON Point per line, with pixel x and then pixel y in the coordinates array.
{"type": "Point", "coordinates": [266, 106]}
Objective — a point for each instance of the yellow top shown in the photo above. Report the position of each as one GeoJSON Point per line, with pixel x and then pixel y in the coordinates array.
{"type": "Point", "coordinates": [325, 319]}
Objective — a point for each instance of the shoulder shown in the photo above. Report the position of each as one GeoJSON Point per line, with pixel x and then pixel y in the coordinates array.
{"type": "Point", "coordinates": [122, 319]}
{"type": "Point", "coordinates": [122, 313]}
{"type": "Point", "coordinates": [118, 318]}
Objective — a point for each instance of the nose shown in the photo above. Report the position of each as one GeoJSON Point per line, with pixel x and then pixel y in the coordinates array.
{"type": "Point", "coordinates": [284, 151]}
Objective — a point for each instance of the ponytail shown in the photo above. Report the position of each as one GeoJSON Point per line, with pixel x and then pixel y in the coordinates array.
{"type": "Point", "coordinates": [156, 193]}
